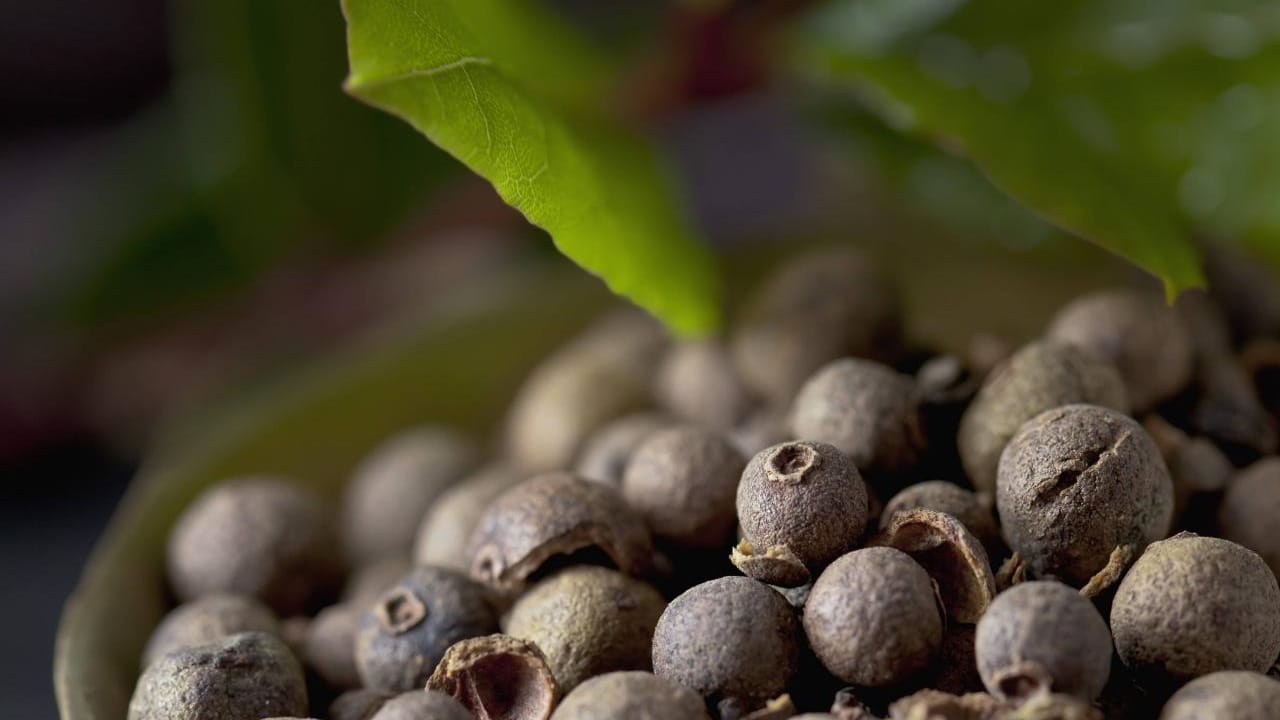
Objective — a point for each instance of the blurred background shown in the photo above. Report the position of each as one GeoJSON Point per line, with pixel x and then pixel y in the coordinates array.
{"type": "Point", "coordinates": [191, 210]}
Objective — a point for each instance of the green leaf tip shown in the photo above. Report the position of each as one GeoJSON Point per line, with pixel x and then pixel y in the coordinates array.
{"type": "Point", "coordinates": [509, 92]}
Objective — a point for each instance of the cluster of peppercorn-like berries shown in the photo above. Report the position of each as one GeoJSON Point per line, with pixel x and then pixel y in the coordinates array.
{"type": "Point", "coordinates": [810, 520]}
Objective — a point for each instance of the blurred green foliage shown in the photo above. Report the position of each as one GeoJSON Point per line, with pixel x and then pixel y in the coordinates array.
{"type": "Point", "coordinates": [515, 95]}
{"type": "Point", "coordinates": [1134, 123]}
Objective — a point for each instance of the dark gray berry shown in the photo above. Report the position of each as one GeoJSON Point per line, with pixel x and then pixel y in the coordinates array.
{"type": "Point", "coordinates": [872, 617]}
{"type": "Point", "coordinates": [394, 485]}
{"type": "Point", "coordinates": [403, 636]}
{"type": "Point", "coordinates": [1233, 694]}
{"type": "Point", "coordinates": [1040, 376]}
{"type": "Point", "coordinates": [1194, 605]}
{"type": "Point", "coordinates": [206, 620]}
{"type": "Point", "coordinates": [683, 480]}
{"type": "Point", "coordinates": [446, 527]}
{"type": "Point", "coordinates": [588, 620]}
{"type": "Point", "coordinates": [732, 637]}
{"type": "Point", "coordinates": [865, 409]}
{"type": "Point", "coordinates": [498, 676]}
{"type": "Point", "coordinates": [1080, 487]}
{"type": "Point", "coordinates": [1043, 637]}
{"type": "Point", "coordinates": [1251, 508]}
{"type": "Point", "coordinates": [806, 497]}
{"type": "Point", "coordinates": [630, 696]}
{"type": "Point", "coordinates": [550, 515]}
{"type": "Point", "coordinates": [262, 537]}
{"type": "Point", "coordinates": [421, 705]}
{"type": "Point", "coordinates": [606, 452]}
{"type": "Point", "coordinates": [1138, 333]}
{"type": "Point", "coordinates": [242, 677]}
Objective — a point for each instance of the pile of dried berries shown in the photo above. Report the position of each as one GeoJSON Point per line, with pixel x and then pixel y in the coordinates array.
{"type": "Point", "coordinates": [812, 519]}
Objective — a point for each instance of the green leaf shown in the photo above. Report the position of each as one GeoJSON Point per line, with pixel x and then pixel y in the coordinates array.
{"type": "Point", "coordinates": [1130, 123]}
{"type": "Point", "coordinates": [509, 91]}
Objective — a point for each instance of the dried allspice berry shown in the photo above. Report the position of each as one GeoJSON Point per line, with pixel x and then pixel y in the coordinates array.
{"type": "Point", "coordinates": [550, 515]}
{"type": "Point", "coordinates": [588, 620]}
{"type": "Point", "coordinates": [394, 485]}
{"type": "Point", "coordinates": [1193, 605]}
{"type": "Point", "coordinates": [406, 632]}
{"type": "Point", "coordinates": [358, 704]}
{"type": "Point", "coordinates": [865, 409]}
{"type": "Point", "coordinates": [241, 677]}
{"type": "Point", "coordinates": [606, 452]}
{"type": "Point", "coordinates": [1043, 637]}
{"type": "Point", "coordinates": [207, 620]}
{"type": "Point", "coordinates": [732, 637]}
{"type": "Point", "coordinates": [872, 617]}
{"type": "Point", "coordinates": [1040, 376]}
{"type": "Point", "coordinates": [1251, 508]}
{"type": "Point", "coordinates": [328, 647]}
{"type": "Point", "coordinates": [1082, 489]}
{"type": "Point", "coordinates": [263, 537]}
{"type": "Point", "coordinates": [630, 696]}
{"type": "Point", "coordinates": [422, 705]}
{"type": "Point", "coordinates": [683, 480]}
{"type": "Point", "coordinates": [951, 555]}
{"type": "Point", "coordinates": [800, 505]}
{"type": "Point", "coordinates": [971, 509]}
{"type": "Point", "coordinates": [447, 526]}
{"type": "Point", "coordinates": [1234, 694]}
{"type": "Point", "coordinates": [1137, 332]}
{"type": "Point", "coordinates": [497, 677]}
{"type": "Point", "coordinates": [698, 382]}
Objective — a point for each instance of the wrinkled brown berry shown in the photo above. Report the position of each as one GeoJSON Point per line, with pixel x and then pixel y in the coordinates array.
{"type": "Point", "coordinates": [630, 696]}
{"type": "Point", "coordinates": [406, 632]}
{"type": "Point", "coordinates": [555, 514]}
{"type": "Point", "coordinates": [604, 373]}
{"type": "Point", "coordinates": [358, 704]}
{"type": "Point", "coordinates": [329, 646]}
{"type": "Point", "coordinates": [421, 705]}
{"type": "Point", "coordinates": [498, 676]}
{"type": "Point", "coordinates": [732, 637]}
{"type": "Point", "coordinates": [242, 677]}
{"type": "Point", "coordinates": [262, 537]}
{"type": "Point", "coordinates": [1040, 376]}
{"type": "Point", "coordinates": [1251, 509]}
{"type": "Point", "coordinates": [872, 617]}
{"type": "Point", "coordinates": [1194, 605]}
{"type": "Point", "coordinates": [821, 306]}
{"type": "Point", "coordinates": [394, 485]}
{"type": "Point", "coordinates": [606, 452]}
{"type": "Point", "coordinates": [446, 528]}
{"type": "Point", "coordinates": [865, 409]}
{"type": "Point", "coordinates": [1233, 694]}
{"type": "Point", "coordinates": [973, 510]}
{"type": "Point", "coordinates": [207, 620]}
{"type": "Point", "coordinates": [806, 497]}
{"type": "Point", "coordinates": [683, 480]}
{"type": "Point", "coordinates": [588, 620]}
{"type": "Point", "coordinates": [1135, 331]}
{"type": "Point", "coordinates": [951, 555]}
{"type": "Point", "coordinates": [1079, 484]}
{"type": "Point", "coordinates": [1041, 637]}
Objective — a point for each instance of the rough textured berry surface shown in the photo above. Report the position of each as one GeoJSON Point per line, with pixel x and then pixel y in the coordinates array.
{"type": "Point", "coordinates": [1076, 484]}
{"type": "Point", "coordinates": [1040, 637]}
{"type": "Point", "coordinates": [872, 617]}
{"type": "Point", "coordinates": [243, 677]}
{"type": "Point", "coordinates": [1230, 694]}
{"type": "Point", "coordinates": [806, 497]}
{"type": "Point", "coordinates": [588, 620]}
{"type": "Point", "coordinates": [406, 632]}
{"type": "Point", "coordinates": [971, 509]}
{"type": "Point", "coordinates": [732, 637]}
{"type": "Point", "coordinates": [1138, 333]}
{"type": "Point", "coordinates": [951, 555]}
{"type": "Point", "coordinates": [555, 514]}
{"type": "Point", "coordinates": [207, 620]}
{"type": "Point", "coordinates": [683, 481]}
{"type": "Point", "coordinates": [865, 409]}
{"type": "Point", "coordinates": [1040, 376]}
{"type": "Point", "coordinates": [630, 696]}
{"type": "Point", "coordinates": [262, 537]}
{"type": "Point", "coordinates": [606, 452]}
{"type": "Point", "coordinates": [1194, 605]}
